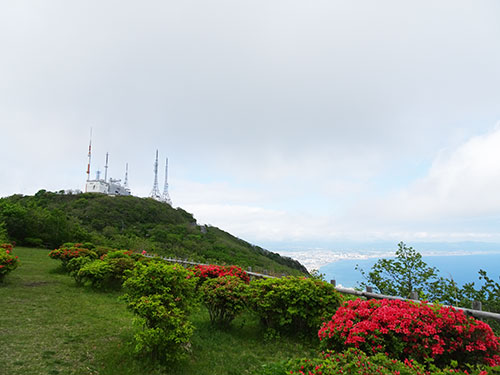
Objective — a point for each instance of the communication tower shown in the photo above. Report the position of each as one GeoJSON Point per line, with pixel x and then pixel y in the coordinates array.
{"type": "Point", "coordinates": [111, 187]}
{"type": "Point", "coordinates": [125, 183]}
{"type": "Point", "coordinates": [155, 193]}
{"type": "Point", "coordinates": [165, 196]}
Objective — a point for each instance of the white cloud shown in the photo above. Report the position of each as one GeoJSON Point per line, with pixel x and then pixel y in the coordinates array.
{"type": "Point", "coordinates": [463, 182]}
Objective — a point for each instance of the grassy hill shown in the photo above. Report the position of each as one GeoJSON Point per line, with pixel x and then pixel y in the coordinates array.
{"type": "Point", "coordinates": [50, 326]}
{"type": "Point", "coordinates": [50, 219]}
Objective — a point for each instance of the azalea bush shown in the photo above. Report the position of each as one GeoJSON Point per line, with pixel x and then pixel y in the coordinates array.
{"type": "Point", "coordinates": [8, 261]}
{"type": "Point", "coordinates": [224, 297]}
{"type": "Point", "coordinates": [355, 362]}
{"type": "Point", "coordinates": [296, 303]}
{"type": "Point", "coordinates": [204, 272]}
{"type": "Point", "coordinates": [69, 251]}
{"type": "Point", "coordinates": [162, 297]}
{"type": "Point", "coordinates": [106, 272]}
{"type": "Point", "coordinates": [73, 268]}
{"type": "Point", "coordinates": [417, 331]}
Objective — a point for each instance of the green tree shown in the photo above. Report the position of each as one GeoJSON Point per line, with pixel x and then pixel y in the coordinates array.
{"type": "Point", "coordinates": [408, 273]}
{"type": "Point", "coordinates": [3, 233]}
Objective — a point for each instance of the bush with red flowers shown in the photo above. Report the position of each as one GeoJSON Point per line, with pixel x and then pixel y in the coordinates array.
{"type": "Point", "coordinates": [212, 271]}
{"type": "Point", "coordinates": [402, 329]}
{"type": "Point", "coordinates": [69, 251]}
{"type": "Point", "coordinates": [8, 261]}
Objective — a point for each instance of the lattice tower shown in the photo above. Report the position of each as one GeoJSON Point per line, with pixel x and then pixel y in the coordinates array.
{"type": "Point", "coordinates": [155, 193]}
{"type": "Point", "coordinates": [165, 196]}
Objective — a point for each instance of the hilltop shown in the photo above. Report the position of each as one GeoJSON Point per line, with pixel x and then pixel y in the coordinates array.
{"type": "Point", "coordinates": [49, 219]}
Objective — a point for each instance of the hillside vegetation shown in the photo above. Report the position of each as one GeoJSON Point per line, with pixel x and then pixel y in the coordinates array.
{"type": "Point", "coordinates": [50, 219]}
{"type": "Point", "coordinates": [50, 326]}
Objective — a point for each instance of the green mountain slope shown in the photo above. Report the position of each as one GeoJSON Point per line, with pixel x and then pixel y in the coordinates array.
{"type": "Point", "coordinates": [50, 219]}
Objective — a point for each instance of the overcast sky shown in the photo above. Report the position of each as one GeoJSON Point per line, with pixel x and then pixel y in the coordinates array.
{"type": "Point", "coordinates": [284, 121]}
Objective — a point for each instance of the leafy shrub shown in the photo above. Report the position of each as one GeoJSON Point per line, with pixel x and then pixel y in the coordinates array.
{"type": "Point", "coordinates": [224, 297]}
{"type": "Point", "coordinates": [162, 297]}
{"type": "Point", "coordinates": [8, 261]}
{"type": "Point", "coordinates": [356, 362]}
{"type": "Point", "coordinates": [107, 273]}
{"type": "Point", "coordinates": [97, 272]}
{"type": "Point", "coordinates": [211, 271]}
{"type": "Point", "coordinates": [102, 250]}
{"type": "Point", "coordinates": [66, 253]}
{"type": "Point", "coordinates": [74, 266]}
{"type": "Point", "coordinates": [411, 330]}
{"type": "Point", "coordinates": [293, 302]}
{"type": "Point", "coordinates": [122, 254]}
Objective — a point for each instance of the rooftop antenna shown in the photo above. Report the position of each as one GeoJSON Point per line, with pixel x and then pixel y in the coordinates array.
{"type": "Point", "coordinates": [165, 197]}
{"type": "Point", "coordinates": [155, 193]}
{"type": "Point", "coordinates": [106, 169]}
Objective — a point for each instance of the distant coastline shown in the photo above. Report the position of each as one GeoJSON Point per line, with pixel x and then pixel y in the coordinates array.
{"type": "Point", "coordinates": [462, 268]}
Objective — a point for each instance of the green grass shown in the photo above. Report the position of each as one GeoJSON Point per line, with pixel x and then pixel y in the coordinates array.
{"type": "Point", "coordinates": [50, 326]}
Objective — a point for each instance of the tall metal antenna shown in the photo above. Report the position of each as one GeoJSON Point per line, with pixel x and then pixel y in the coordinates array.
{"type": "Point", "coordinates": [155, 193]}
{"type": "Point", "coordinates": [125, 183]}
{"type": "Point", "coordinates": [106, 169]}
{"type": "Point", "coordinates": [165, 197]}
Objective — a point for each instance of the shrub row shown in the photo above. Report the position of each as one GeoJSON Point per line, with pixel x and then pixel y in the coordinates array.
{"type": "Point", "coordinates": [356, 362]}
{"type": "Point", "coordinates": [99, 266]}
{"type": "Point", "coordinates": [162, 296]}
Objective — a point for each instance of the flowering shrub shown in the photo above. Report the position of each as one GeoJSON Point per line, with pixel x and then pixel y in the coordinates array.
{"type": "Point", "coordinates": [411, 330]}
{"type": "Point", "coordinates": [162, 297]}
{"type": "Point", "coordinates": [8, 262]}
{"type": "Point", "coordinates": [66, 253]}
{"type": "Point", "coordinates": [212, 271]}
{"type": "Point", "coordinates": [297, 303]}
{"type": "Point", "coordinates": [356, 362]}
{"type": "Point", "coordinates": [224, 297]}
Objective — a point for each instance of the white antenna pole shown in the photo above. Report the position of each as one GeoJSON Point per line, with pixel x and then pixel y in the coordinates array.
{"type": "Point", "coordinates": [125, 183]}
{"type": "Point", "coordinates": [106, 169]}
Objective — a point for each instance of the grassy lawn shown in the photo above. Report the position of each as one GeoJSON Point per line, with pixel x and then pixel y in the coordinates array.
{"type": "Point", "coordinates": [48, 325]}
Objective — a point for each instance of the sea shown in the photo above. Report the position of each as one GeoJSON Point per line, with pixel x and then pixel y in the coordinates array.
{"type": "Point", "coordinates": [461, 268]}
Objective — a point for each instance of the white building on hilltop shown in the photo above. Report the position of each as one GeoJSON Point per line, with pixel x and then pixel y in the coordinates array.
{"type": "Point", "coordinates": [105, 186]}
